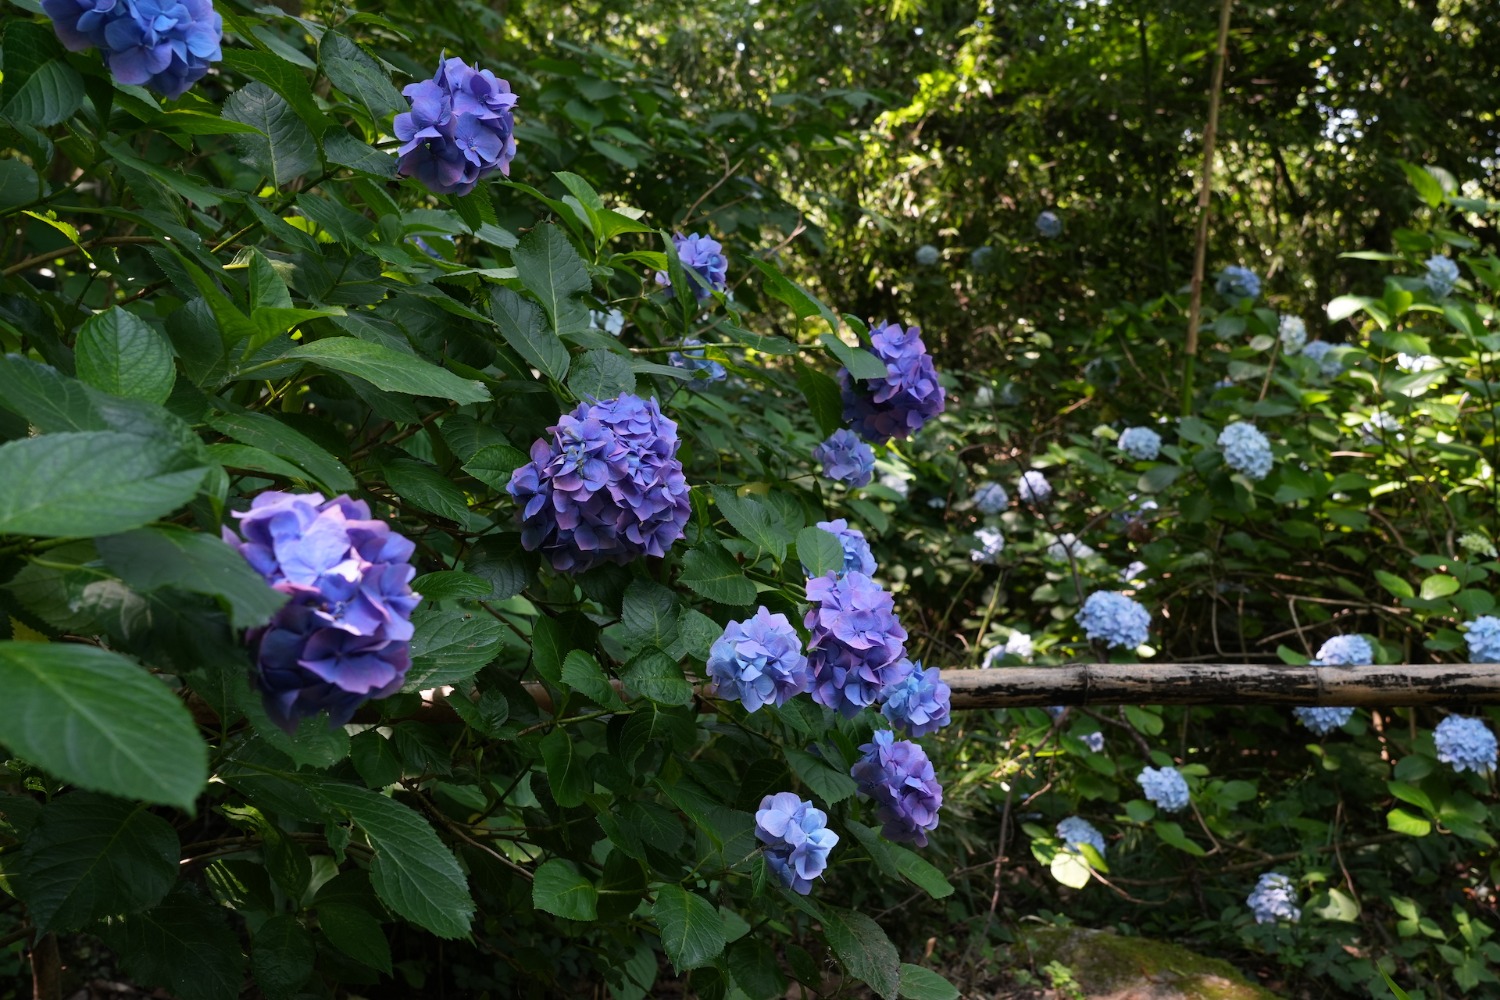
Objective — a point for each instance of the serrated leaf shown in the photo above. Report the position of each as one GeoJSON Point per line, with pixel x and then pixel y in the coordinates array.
{"type": "Point", "coordinates": [282, 77]}
{"type": "Point", "coordinates": [819, 552]}
{"type": "Point", "coordinates": [756, 522]}
{"type": "Point", "coordinates": [387, 369]}
{"type": "Point", "coordinates": [98, 720]}
{"type": "Point", "coordinates": [424, 487]}
{"type": "Point", "coordinates": [341, 148]}
{"type": "Point", "coordinates": [713, 573]}
{"type": "Point", "coordinates": [552, 270]}
{"type": "Point", "coordinates": [823, 399]}
{"type": "Point", "coordinates": [560, 889]}
{"type": "Point", "coordinates": [656, 677]}
{"type": "Point", "coordinates": [494, 464]}
{"type": "Point", "coordinates": [583, 674]}
{"type": "Point", "coordinates": [353, 931]}
{"type": "Point", "coordinates": [649, 614]}
{"type": "Point", "coordinates": [565, 771]}
{"type": "Point", "coordinates": [184, 944]}
{"type": "Point", "coordinates": [863, 949]}
{"type": "Point", "coordinates": [123, 355]}
{"type": "Point", "coordinates": [505, 563]}
{"type": "Point", "coordinates": [450, 646]}
{"type": "Point", "coordinates": [828, 783]}
{"type": "Point", "coordinates": [269, 434]}
{"type": "Point", "coordinates": [40, 89]}
{"type": "Point", "coordinates": [281, 956]}
{"type": "Point", "coordinates": [921, 872]}
{"type": "Point", "coordinates": [692, 934]}
{"type": "Point", "coordinates": [282, 147]}
{"type": "Point", "coordinates": [601, 374]}
{"type": "Point", "coordinates": [448, 584]}
{"type": "Point", "coordinates": [918, 983]}
{"type": "Point", "coordinates": [167, 556]}
{"type": "Point", "coordinates": [352, 70]}
{"type": "Point", "coordinates": [521, 324]}
{"type": "Point", "coordinates": [860, 363]}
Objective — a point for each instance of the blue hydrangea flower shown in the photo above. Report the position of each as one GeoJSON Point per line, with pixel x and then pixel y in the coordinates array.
{"type": "Point", "coordinates": [1441, 276]}
{"type": "Point", "coordinates": [1274, 898]}
{"type": "Point", "coordinates": [846, 459]}
{"type": "Point", "coordinates": [1076, 830]}
{"type": "Point", "coordinates": [1246, 449]}
{"type": "Point", "coordinates": [927, 255]}
{"type": "Point", "coordinates": [1048, 224]}
{"type": "Point", "coordinates": [1114, 619]}
{"type": "Point", "coordinates": [611, 321]}
{"type": "Point", "coordinates": [1465, 743]}
{"type": "Point", "coordinates": [797, 839]}
{"type": "Point", "coordinates": [345, 635]}
{"type": "Point", "coordinates": [605, 487]}
{"type": "Point", "coordinates": [1166, 787]}
{"type": "Point", "coordinates": [857, 555]}
{"type": "Point", "coordinates": [1133, 572]}
{"type": "Point", "coordinates": [898, 405]}
{"type": "Point", "coordinates": [460, 129]}
{"type": "Point", "coordinates": [919, 702]}
{"type": "Point", "coordinates": [988, 544]}
{"type": "Point", "coordinates": [1292, 332]}
{"type": "Point", "coordinates": [898, 777]}
{"type": "Point", "coordinates": [1483, 638]}
{"type": "Point", "coordinates": [990, 498]}
{"type": "Point", "coordinates": [166, 45]}
{"type": "Point", "coordinates": [1141, 443]}
{"type": "Point", "coordinates": [698, 360]}
{"type": "Point", "coordinates": [858, 647]}
{"type": "Point", "coordinates": [1094, 741]}
{"type": "Point", "coordinates": [1033, 487]}
{"type": "Point", "coordinates": [704, 261]}
{"type": "Point", "coordinates": [1321, 351]}
{"type": "Point", "coordinates": [759, 661]}
{"type": "Point", "coordinates": [1323, 721]}
{"type": "Point", "coordinates": [1067, 545]}
{"type": "Point", "coordinates": [981, 258]}
{"type": "Point", "coordinates": [1237, 283]}
{"type": "Point", "coordinates": [1346, 651]}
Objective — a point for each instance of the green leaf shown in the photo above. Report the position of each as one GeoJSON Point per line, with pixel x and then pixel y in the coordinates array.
{"type": "Point", "coordinates": [552, 270]}
{"type": "Point", "coordinates": [918, 983]}
{"type": "Point", "coordinates": [823, 399]}
{"type": "Point", "coordinates": [656, 677]}
{"type": "Point", "coordinates": [713, 573]}
{"type": "Point", "coordinates": [345, 150]}
{"type": "Point", "coordinates": [494, 464]}
{"type": "Point", "coordinates": [94, 856]}
{"type": "Point", "coordinates": [691, 932]}
{"type": "Point", "coordinates": [40, 88]}
{"type": "Point", "coordinates": [783, 289]}
{"type": "Point", "coordinates": [920, 872]}
{"type": "Point", "coordinates": [1439, 585]}
{"type": "Point", "coordinates": [1172, 835]}
{"type": "Point", "coordinates": [449, 584]}
{"type": "Point", "coordinates": [167, 556]}
{"type": "Point", "coordinates": [504, 562]}
{"type": "Point", "coordinates": [860, 363]}
{"type": "Point", "coordinates": [819, 552]}
{"type": "Point", "coordinates": [1428, 188]}
{"type": "Point", "coordinates": [828, 783]}
{"type": "Point", "coordinates": [413, 873]}
{"type": "Point", "coordinates": [269, 434]}
{"type": "Point", "coordinates": [560, 889]}
{"type": "Point", "coordinates": [352, 70]}
{"type": "Point", "coordinates": [199, 123]}
{"type": "Point", "coordinates": [281, 956]}
{"type": "Point", "coordinates": [649, 614]}
{"type": "Point", "coordinates": [375, 759]}
{"type": "Point", "coordinates": [390, 370]}
{"type": "Point", "coordinates": [1410, 824]}
{"type": "Point", "coordinates": [282, 77]}
{"type": "Point", "coordinates": [184, 944]}
{"type": "Point", "coordinates": [565, 770]}
{"type": "Point", "coordinates": [1394, 584]}
{"type": "Point", "coordinates": [353, 931]}
{"type": "Point", "coordinates": [753, 965]}
{"type": "Point", "coordinates": [94, 718]}
{"type": "Point", "coordinates": [1070, 869]}
{"type": "Point", "coordinates": [756, 522]}
{"type": "Point", "coordinates": [45, 397]}
{"type": "Point", "coordinates": [602, 374]}
{"type": "Point", "coordinates": [520, 322]}
{"type": "Point", "coordinates": [122, 354]}
{"type": "Point", "coordinates": [91, 483]}
{"type": "Point", "coordinates": [451, 646]}
{"type": "Point", "coordinates": [426, 488]}
{"type": "Point", "coordinates": [283, 147]}
{"type": "Point", "coordinates": [582, 673]}
{"type": "Point", "coordinates": [863, 949]}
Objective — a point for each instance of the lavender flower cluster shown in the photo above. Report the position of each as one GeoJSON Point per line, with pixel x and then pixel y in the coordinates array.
{"type": "Point", "coordinates": [460, 129]}
{"type": "Point", "coordinates": [759, 661]}
{"type": "Point", "coordinates": [605, 487]}
{"type": "Point", "coordinates": [846, 459]}
{"type": "Point", "coordinates": [990, 498]}
{"type": "Point", "coordinates": [166, 45]}
{"type": "Point", "coordinates": [909, 395]}
{"type": "Point", "coordinates": [1141, 443]}
{"type": "Point", "coordinates": [857, 555]}
{"type": "Point", "coordinates": [1114, 619]}
{"type": "Point", "coordinates": [704, 261]}
{"type": "Point", "coordinates": [858, 647]}
{"type": "Point", "coordinates": [897, 775]}
{"type": "Point", "coordinates": [1465, 743]}
{"type": "Point", "coordinates": [345, 635]}
{"type": "Point", "coordinates": [1274, 898]}
{"type": "Point", "coordinates": [919, 703]}
{"type": "Point", "coordinates": [797, 839]}
{"type": "Point", "coordinates": [1246, 450]}
{"type": "Point", "coordinates": [1164, 786]}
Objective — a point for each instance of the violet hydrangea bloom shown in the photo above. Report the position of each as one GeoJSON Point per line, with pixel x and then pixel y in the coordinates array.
{"type": "Point", "coordinates": [345, 635]}
{"type": "Point", "coordinates": [1076, 830]}
{"type": "Point", "coordinates": [606, 486]}
{"type": "Point", "coordinates": [1441, 276]}
{"type": "Point", "coordinates": [759, 661]}
{"type": "Point", "coordinates": [990, 498]}
{"type": "Point", "coordinates": [1483, 638]}
{"type": "Point", "coordinates": [857, 555]}
{"type": "Point", "coordinates": [846, 459]}
{"type": "Point", "coordinates": [1140, 443]}
{"type": "Point", "coordinates": [1237, 283]}
{"type": "Point", "coordinates": [699, 361]}
{"type": "Point", "coordinates": [460, 129]}
{"type": "Point", "coordinates": [1114, 619]}
{"type": "Point", "coordinates": [919, 703]}
{"type": "Point", "coordinates": [909, 395]}
{"type": "Point", "coordinates": [1274, 898]}
{"type": "Point", "coordinates": [1164, 786]}
{"type": "Point", "coordinates": [704, 261]}
{"type": "Point", "coordinates": [166, 45]}
{"type": "Point", "coordinates": [1465, 743]}
{"type": "Point", "coordinates": [1246, 450]}
{"type": "Point", "coordinates": [858, 647]}
{"type": "Point", "coordinates": [797, 839]}
{"type": "Point", "coordinates": [899, 778]}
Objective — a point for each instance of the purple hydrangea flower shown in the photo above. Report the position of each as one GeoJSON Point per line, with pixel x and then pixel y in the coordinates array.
{"type": "Point", "coordinates": [1076, 830]}
{"type": "Point", "coordinates": [990, 498]}
{"type": "Point", "coordinates": [759, 661]}
{"type": "Point", "coordinates": [1323, 721]}
{"type": "Point", "coordinates": [166, 45]}
{"type": "Point", "coordinates": [605, 487]}
{"type": "Point", "coordinates": [858, 647]}
{"type": "Point", "coordinates": [1140, 443]}
{"type": "Point", "coordinates": [460, 129]}
{"type": "Point", "coordinates": [1237, 283]}
{"type": "Point", "coordinates": [1465, 743]}
{"type": "Point", "coordinates": [704, 261]}
{"type": "Point", "coordinates": [898, 405]}
{"type": "Point", "coordinates": [919, 702]}
{"type": "Point", "coordinates": [1114, 619]}
{"type": "Point", "coordinates": [1483, 638]}
{"type": "Point", "coordinates": [797, 839]}
{"type": "Point", "coordinates": [897, 775]}
{"type": "Point", "coordinates": [699, 361]}
{"type": "Point", "coordinates": [846, 459]}
{"type": "Point", "coordinates": [1164, 786]}
{"type": "Point", "coordinates": [345, 635]}
{"type": "Point", "coordinates": [857, 555]}
{"type": "Point", "coordinates": [1441, 276]}
{"type": "Point", "coordinates": [1274, 898]}
{"type": "Point", "coordinates": [1246, 450]}
{"type": "Point", "coordinates": [1048, 224]}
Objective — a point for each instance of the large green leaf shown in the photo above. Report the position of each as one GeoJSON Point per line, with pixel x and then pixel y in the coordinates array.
{"type": "Point", "coordinates": [692, 933]}
{"type": "Point", "coordinates": [565, 770]}
{"type": "Point", "coordinates": [425, 487]}
{"type": "Point", "coordinates": [552, 270]}
{"type": "Point", "coordinates": [390, 370]}
{"type": "Point", "coordinates": [559, 888]}
{"type": "Point", "coordinates": [122, 354]}
{"type": "Point", "coordinates": [40, 88]}
{"type": "Point", "coordinates": [184, 944]}
{"type": "Point", "coordinates": [861, 363]}
{"type": "Point", "coordinates": [756, 521]}
{"type": "Point", "coordinates": [863, 949]}
{"type": "Point", "coordinates": [714, 574]}
{"type": "Point", "coordinates": [269, 434]}
{"type": "Point", "coordinates": [91, 483]}
{"type": "Point", "coordinates": [819, 552]}
{"type": "Point", "coordinates": [282, 77]}
{"type": "Point", "coordinates": [450, 646]}
{"type": "Point", "coordinates": [918, 983]}
{"type": "Point", "coordinates": [283, 148]}
{"type": "Point", "coordinates": [95, 719]}
{"type": "Point", "coordinates": [167, 556]}
{"type": "Point", "coordinates": [94, 856]}
{"type": "Point", "coordinates": [357, 74]}
{"type": "Point", "coordinates": [281, 956]}
{"type": "Point", "coordinates": [45, 397]}
{"type": "Point", "coordinates": [829, 784]}
{"type": "Point", "coordinates": [520, 322]}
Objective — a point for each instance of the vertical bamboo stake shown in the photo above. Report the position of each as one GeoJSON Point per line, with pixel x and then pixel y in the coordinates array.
{"type": "Point", "coordinates": [1205, 189]}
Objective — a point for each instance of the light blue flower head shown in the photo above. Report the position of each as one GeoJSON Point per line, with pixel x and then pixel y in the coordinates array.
{"type": "Point", "coordinates": [704, 261]}
{"type": "Point", "coordinates": [1049, 225]}
{"type": "Point", "coordinates": [1274, 898]}
{"type": "Point", "coordinates": [1237, 283]}
{"type": "Point", "coordinates": [1246, 449]}
{"type": "Point", "coordinates": [919, 703]}
{"type": "Point", "coordinates": [846, 459]}
{"type": "Point", "coordinates": [1483, 638]}
{"type": "Point", "coordinates": [1076, 830]}
{"type": "Point", "coordinates": [927, 255]}
{"type": "Point", "coordinates": [1293, 333]}
{"type": "Point", "coordinates": [1346, 651]}
{"type": "Point", "coordinates": [1441, 276]}
{"type": "Point", "coordinates": [981, 259]}
{"type": "Point", "coordinates": [759, 661]}
{"type": "Point", "coordinates": [1466, 743]}
{"type": "Point", "coordinates": [1141, 443]}
{"type": "Point", "coordinates": [990, 498]}
{"type": "Point", "coordinates": [1323, 720]}
{"type": "Point", "coordinates": [166, 45]}
{"type": "Point", "coordinates": [1164, 786]}
{"type": "Point", "coordinates": [1321, 351]}
{"type": "Point", "coordinates": [1114, 620]}
{"type": "Point", "coordinates": [797, 839]}
{"type": "Point", "coordinates": [988, 544]}
{"type": "Point", "coordinates": [1033, 487]}
{"type": "Point", "coordinates": [1094, 741]}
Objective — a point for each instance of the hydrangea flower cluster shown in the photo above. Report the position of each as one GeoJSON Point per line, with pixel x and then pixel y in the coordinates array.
{"type": "Point", "coordinates": [990, 498]}
{"type": "Point", "coordinates": [919, 703]}
{"type": "Point", "coordinates": [897, 775]}
{"type": "Point", "coordinates": [927, 255]}
{"type": "Point", "coordinates": [1465, 743]}
{"type": "Point", "coordinates": [1065, 545]}
{"type": "Point", "coordinates": [858, 647]}
{"type": "Point", "coordinates": [1033, 487]}
{"type": "Point", "coordinates": [1323, 721]}
{"type": "Point", "coordinates": [166, 45]}
{"type": "Point", "coordinates": [345, 635]}
{"type": "Point", "coordinates": [857, 555]}
{"type": "Point", "coordinates": [846, 459]}
{"type": "Point", "coordinates": [759, 661]}
{"type": "Point", "coordinates": [898, 405]}
{"type": "Point", "coordinates": [1094, 741]}
{"type": "Point", "coordinates": [988, 544]}
{"type": "Point", "coordinates": [1237, 283]}
{"type": "Point", "coordinates": [1321, 351]}
{"type": "Point", "coordinates": [1133, 572]}
{"type": "Point", "coordinates": [1114, 619]}
{"type": "Point", "coordinates": [1246, 449]}
{"type": "Point", "coordinates": [981, 258]}
{"type": "Point", "coordinates": [1048, 224]}
{"type": "Point", "coordinates": [1141, 443]}
{"type": "Point", "coordinates": [704, 261]}
{"type": "Point", "coordinates": [1274, 898]}
{"type": "Point", "coordinates": [605, 487]}
{"type": "Point", "coordinates": [1076, 830]}
{"type": "Point", "coordinates": [1293, 333]}
{"type": "Point", "coordinates": [1166, 787]}
{"type": "Point", "coordinates": [460, 129]}
{"type": "Point", "coordinates": [1483, 638]}
{"type": "Point", "coordinates": [797, 839]}
{"type": "Point", "coordinates": [697, 360]}
{"type": "Point", "coordinates": [1441, 276]}
{"type": "Point", "coordinates": [1346, 651]}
